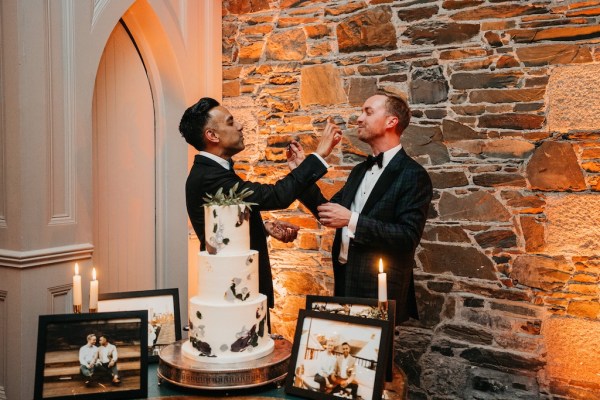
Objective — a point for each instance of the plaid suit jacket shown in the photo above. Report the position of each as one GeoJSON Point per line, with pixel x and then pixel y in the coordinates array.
{"type": "Point", "coordinates": [207, 176]}
{"type": "Point", "coordinates": [389, 227]}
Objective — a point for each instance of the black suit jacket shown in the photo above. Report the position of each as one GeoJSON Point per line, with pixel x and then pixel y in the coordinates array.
{"type": "Point", "coordinates": [389, 227]}
{"type": "Point", "coordinates": [207, 176]}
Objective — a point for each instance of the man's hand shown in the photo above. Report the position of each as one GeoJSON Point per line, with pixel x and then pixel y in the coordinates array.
{"type": "Point", "coordinates": [281, 230]}
{"type": "Point", "coordinates": [111, 363]}
{"type": "Point", "coordinates": [333, 215]}
{"type": "Point", "coordinates": [331, 136]}
{"type": "Point", "coordinates": [295, 154]}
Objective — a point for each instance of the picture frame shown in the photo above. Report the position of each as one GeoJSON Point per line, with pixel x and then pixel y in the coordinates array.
{"type": "Point", "coordinates": [61, 337]}
{"type": "Point", "coordinates": [164, 323]}
{"type": "Point", "coordinates": [355, 306]}
{"type": "Point", "coordinates": [322, 335]}
{"type": "Point", "coordinates": [360, 307]}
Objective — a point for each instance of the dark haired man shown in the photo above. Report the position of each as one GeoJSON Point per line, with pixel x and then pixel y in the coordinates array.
{"type": "Point", "coordinates": [107, 358]}
{"type": "Point", "coordinates": [212, 130]}
{"type": "Point", "coordinates": [380, 212]}
{"type": "Point", "coordinates": [345, 374]}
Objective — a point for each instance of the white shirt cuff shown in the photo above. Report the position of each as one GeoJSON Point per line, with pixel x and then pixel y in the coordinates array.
{"type": "Point", "coordinates": [322, 160]}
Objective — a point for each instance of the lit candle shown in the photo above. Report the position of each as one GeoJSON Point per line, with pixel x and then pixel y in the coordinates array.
{"type": "Point", "coordinates": [93, 291]}
{"type": "Point", "coordinates": [382, 282]}
{"type": "Point", "coordinates": [76, 287]}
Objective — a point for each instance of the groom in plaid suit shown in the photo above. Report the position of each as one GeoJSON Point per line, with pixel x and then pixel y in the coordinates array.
{"type": "Point", "coordinates": [380, 212]}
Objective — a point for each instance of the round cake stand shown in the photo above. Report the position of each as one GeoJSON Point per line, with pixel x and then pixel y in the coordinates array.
{"type": "Point", "coordinates": [174, 368]}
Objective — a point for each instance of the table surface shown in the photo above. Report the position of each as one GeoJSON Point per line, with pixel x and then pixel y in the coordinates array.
{"type": "Point", "coordinates": [172, 392]}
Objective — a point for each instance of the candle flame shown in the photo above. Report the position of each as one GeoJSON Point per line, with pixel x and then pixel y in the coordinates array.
{"type": "Point", "coordinates": [93, 274]}
{"type": "Point", "coordinates": [380, 265]}
{"type": "Point", "coordinates": [76, 269]}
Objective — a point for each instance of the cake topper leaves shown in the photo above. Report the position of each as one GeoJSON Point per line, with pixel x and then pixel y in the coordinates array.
{"type": "Point", "coordinates": [228, 199]}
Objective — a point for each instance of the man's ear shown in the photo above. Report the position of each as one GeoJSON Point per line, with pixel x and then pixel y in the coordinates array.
{"type": "Point", "coordinates": [392, 121]}
{"type": "Point", "coordinates": [211, 135]}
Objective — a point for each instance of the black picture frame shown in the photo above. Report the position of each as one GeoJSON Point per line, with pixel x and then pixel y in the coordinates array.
{"type": "Point", "coordinates": [360, 307]}
{"type": "Point", "coordinates": [164, 321]}
{"type": "Point", "coordinates": [367, 340]}
{"type": "Point", "coordinates": [60, 337]}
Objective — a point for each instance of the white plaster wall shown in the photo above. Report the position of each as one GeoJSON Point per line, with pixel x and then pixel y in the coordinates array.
{"type": "Point", "coordinates": [50, 50]}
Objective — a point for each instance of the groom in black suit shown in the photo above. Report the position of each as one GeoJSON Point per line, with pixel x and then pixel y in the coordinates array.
{"type": "Point", "coordinates": [380, 212]}
{"type": "Point", "coordinates": [212, 130]}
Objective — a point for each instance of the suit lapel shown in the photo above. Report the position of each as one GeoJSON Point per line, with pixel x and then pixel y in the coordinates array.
{"type": "Point", "coordinates": [385, 180]}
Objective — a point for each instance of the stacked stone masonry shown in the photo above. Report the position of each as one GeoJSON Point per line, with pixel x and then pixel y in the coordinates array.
{"type": "Point", "coordinates": [505, 99]}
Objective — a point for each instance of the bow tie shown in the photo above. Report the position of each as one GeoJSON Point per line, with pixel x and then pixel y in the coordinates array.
{"type": "Point", "coordinates": [231, 163]}
{"type": "Point", "coordinates": [374, 160]}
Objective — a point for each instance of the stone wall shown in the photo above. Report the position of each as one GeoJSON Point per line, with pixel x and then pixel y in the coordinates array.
{"type": "Point", "coordinates": [506, 119]}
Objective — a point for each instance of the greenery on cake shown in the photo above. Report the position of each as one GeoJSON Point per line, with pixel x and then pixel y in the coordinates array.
{"type": "Point", "coordinates": [231, 198]}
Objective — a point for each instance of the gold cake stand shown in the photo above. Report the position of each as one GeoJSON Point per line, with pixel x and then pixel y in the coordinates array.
{"type": "Point", "coordinates": [174, 368]}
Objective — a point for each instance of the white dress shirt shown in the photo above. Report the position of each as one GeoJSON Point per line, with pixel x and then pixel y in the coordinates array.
{"type": "Point", "coordinates": [344, 366]}
{"type": "Point", "coordinates": [362, 194]}
{"type": "Point", "coordinates": [222, 162]}
{"type": "Point", "coordinates": [87, 354]}
{"type": "Point", "coordinates": [107, 353]}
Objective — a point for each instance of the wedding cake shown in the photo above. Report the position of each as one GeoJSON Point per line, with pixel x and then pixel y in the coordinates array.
{"type": "Point", "coordinates": [228, 316]}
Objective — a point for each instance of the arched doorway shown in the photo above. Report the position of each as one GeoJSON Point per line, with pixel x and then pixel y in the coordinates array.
{"type": "Point", "coordinates": [124, 169]}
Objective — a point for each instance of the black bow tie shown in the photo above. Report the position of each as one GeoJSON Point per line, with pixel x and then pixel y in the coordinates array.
{"type": "Point", "coordinates": [231, 163]}
{"type": "Point", "coordinates": [378, 159]}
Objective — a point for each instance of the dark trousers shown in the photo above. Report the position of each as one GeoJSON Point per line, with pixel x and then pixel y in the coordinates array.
{"type": "Point", "coordinates": [322, 381]}
{"type": "Point", "coordinates": [104, 368]}
{"type": "Point", "coordinates": [352, 386]}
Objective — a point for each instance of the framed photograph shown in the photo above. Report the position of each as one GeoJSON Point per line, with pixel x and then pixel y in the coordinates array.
{"type": "Point", "coordinates": [338, 356]}
{"type": "Point", "coordinates": [164, 324]}
{"type": "Point", "coordinates": [359, 307]}
{"type": "Point", "coordinates": [92, 356]}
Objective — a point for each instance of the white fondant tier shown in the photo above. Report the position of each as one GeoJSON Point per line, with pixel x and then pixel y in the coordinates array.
{"type": "Point", "coordinates": [228, 333]}
{"type": "Point", "coordinates": [228, 278]}
{"type": "Point", "coordinates": [227, 229]}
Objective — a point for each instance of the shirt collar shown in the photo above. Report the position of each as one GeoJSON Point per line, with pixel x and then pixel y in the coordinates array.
{"type": "Point", "coordinates": [222, 162]}
{"type": "Point", "coordinates": [389, 154]}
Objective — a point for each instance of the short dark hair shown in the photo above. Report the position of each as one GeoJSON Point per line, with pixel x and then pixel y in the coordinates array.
{"type": "Point", "coordinates": [106, 337]}
{"type": "Point", "coordinates": [194, 120]}
{"type": "Point", "coordinates": [345, 343]}
{"type": "Point", "coordinates": [398, 107]}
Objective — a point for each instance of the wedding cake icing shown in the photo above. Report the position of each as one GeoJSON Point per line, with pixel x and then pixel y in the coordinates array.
{"type": "Point", "coordinates": [228, 316]}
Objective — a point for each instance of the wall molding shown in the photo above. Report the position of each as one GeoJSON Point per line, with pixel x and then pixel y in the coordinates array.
{"type": "Point", "coordinates": [99, 6]}
{"type": "Point", "coordinates": [3, 342]}
{"type": "Point", "coordinates": [62, 171]}
{"type": "Point", "coordinates": [60, 298]}
{"type": "Point", "coordinates": [53, 255]}
{"type": "Point", "coordinates": [3, 188]}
